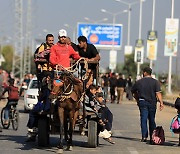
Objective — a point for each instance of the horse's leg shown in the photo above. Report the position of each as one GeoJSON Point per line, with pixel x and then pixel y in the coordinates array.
{"type": "Point", "coordinates": [71, 128]}
{"type": "Point", "coordinates": [61, 119]}
{"type": "Point", "coordinates": [66, 126]}
{"type": "Point", "coordinates": [75, 118]}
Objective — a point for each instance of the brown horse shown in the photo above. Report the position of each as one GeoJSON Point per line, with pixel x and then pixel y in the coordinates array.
{"type": "Point", "coordinates": [69, 95]}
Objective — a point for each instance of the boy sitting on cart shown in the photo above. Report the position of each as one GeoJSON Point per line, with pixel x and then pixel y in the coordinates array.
{"type": "Point", "coordinates": [94, 103]}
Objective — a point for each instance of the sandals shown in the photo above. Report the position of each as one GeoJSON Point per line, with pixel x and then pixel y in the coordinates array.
{"type": "Point", "coordinates": [109, 140]}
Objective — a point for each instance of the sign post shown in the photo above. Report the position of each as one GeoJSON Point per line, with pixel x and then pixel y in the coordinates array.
{"type": "Point", "coordinates": [171, 43]}
{"type": "Point", "coordinates": [112, 60]}
{"type": "Point", "coordinates": [152, 45]}
{"type": "Point", "coordinates": [139, 54]}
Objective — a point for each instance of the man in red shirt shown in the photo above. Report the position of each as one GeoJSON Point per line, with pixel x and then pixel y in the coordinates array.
{"type": "Point", "coordinates": [61, 52]}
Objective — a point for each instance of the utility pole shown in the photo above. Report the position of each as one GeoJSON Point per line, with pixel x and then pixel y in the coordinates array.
{"type": "Point", "coordinates": [170, 57]}
{"type": "Point", "coordinates": [140, 29]}
{"type": "Point", "coordinates": [18, 40]}
{"type": "Point", "coordinates": [28, 43]}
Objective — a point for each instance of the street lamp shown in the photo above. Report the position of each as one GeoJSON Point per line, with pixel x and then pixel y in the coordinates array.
{"type": "Point", "coordinates": [170, 57]}
{"type": "Point", "coordinates": [129, 16]}
{"type": "Point", "coordinates": [114, 19]}
{"type": "Point", "coordinates": [74, 31]}
{"type": "Point", "coordinates": [113, 52]}
{"type": "Point", "coordinates": [95, 21]}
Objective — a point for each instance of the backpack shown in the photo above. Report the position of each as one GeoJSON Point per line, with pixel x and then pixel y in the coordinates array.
{"type": "Point", "coordinates": [42, 57]}
{"type": "Point", "coordinates": [13, 93]}
{"type": "Point", "coordinates": [177, 103]}
{"type": "Point", "coordinates": [175, 124]}
{"type": "Point", "coordinates": [158, 136]}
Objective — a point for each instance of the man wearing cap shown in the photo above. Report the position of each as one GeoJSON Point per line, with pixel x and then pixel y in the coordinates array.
{"type": "Point", "coordinates": [61, 52]}
{"type": "Point", "coordinates": [147, 92]}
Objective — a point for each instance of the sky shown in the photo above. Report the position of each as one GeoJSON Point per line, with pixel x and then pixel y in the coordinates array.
{"type": "Point", "coordinates": [49, 16]}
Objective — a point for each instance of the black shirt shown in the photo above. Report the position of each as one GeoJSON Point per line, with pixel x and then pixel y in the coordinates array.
{"type": "Point", "coordinates": [90, 52]}
{"type": "Point", "coordinates": [146, 89]}
{"type": "Point", "coordinates": [121, 83]}
{"type": "Point", "coordinates": [106, 81]}
{"type": "Point", "coordinates": [113, 82]}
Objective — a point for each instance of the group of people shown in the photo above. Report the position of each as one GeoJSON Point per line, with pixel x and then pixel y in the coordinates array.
{"type": "Point", "coordinates": [146, 91]}
{"type": "Point", "coordinates": [118, 85]}
{"type": "Point", "coordinates": [59, 55]}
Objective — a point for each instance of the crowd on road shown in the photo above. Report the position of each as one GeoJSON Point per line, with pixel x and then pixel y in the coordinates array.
{"type": "Point", "coordinates": [146, 91]}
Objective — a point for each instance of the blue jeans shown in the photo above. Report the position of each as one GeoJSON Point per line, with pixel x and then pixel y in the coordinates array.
{"type": "Point", "coordinates": [147, 112]}
{"type": "Point", "coordinates": [8, 106]}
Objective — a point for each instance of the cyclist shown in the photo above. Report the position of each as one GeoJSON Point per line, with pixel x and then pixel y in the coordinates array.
{"type": "Point", "coordinates": [13, 97]}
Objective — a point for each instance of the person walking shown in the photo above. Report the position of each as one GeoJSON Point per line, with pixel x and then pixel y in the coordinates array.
{"type": "Point", "coordinates": [121, 84]}
{"type": "Point", "coordinates": [128, 88]}
{"type": "Point", "coordinates": [105, 86]}
{"type": "Point", "coordinates": [147, 92]}
{"type": "Point", "coordinates": [112, 84]}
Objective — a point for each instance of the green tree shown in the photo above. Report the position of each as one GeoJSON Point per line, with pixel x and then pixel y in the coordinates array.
{"type": "Point", "coordinates": [7, 52]}
{"type": "Point", "coordinates": [129, 65]}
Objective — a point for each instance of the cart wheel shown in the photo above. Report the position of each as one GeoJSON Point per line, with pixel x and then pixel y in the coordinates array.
{"type": "Point", "coordinates": [92, 134]}
{"type": "Point", "coordinates": [15, 120]}
{"type": "Point", "coordinates": [43, 131]}
{"type": "Point", "coordinates": [5, 126]}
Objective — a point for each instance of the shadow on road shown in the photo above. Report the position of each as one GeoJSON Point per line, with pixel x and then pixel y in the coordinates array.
{"type": "Point", "coordinates": [167, 143]}
{"type": "Point", "coordinates": [23, 145]}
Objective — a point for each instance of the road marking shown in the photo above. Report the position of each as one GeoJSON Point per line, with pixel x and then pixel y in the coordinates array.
{"type": "Point", "coordinates": [132, 150]}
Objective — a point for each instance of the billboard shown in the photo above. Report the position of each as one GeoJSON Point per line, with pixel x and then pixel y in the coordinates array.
{"type": "Point", "coordinates": [152, 45]}
{"type": "Point", "coordinates": [171, 37]}
{"type": "Point", "coordinates": [105, 36]}
{"type": "Point", "coordinates": [112, 59]}
{"type": "Point", "coordinates": [139, 51]}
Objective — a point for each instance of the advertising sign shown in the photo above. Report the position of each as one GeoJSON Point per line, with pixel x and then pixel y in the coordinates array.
{"type": "Point", "coordinates": [128, 50]}
{"type": "Point", "coordinates": [171, 37]}
{"type": "Point", "coordinates": [105, 36]}
{"type": "Point", "coordinates": [139, 51]}
{"type": "Point", "coordinates": [112, 59]}
{"type": "Point", "coordinates": [152, 45]}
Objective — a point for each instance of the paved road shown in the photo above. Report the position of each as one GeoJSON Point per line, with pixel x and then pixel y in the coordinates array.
{"type": "Point", "coordinates": [126, 135]}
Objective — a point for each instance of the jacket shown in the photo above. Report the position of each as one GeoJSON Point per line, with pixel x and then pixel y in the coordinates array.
{"type": "Point", "coordinates": [61, 53]}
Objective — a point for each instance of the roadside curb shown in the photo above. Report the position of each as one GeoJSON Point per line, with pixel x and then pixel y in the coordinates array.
{"type": "Point", "coordinates": [168, 104]}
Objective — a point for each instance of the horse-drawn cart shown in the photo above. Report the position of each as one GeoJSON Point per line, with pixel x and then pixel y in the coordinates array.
{"type": "Point", "coordinates": [63, 115]}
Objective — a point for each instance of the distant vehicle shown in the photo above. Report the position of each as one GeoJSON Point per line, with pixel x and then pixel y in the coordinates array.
{"type": "Point", "coordinates": [31, 95]}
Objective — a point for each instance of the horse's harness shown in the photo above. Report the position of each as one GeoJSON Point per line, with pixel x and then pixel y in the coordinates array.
{"type": "Point", "coordinates": [64, 94]}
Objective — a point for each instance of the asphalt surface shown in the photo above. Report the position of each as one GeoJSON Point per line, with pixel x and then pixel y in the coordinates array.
{"type": "Point", "coordinates": [126, 134]}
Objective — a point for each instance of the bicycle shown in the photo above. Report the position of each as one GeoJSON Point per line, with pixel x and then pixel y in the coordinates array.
{"type": "Point", "coordinates": [13, 118]}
